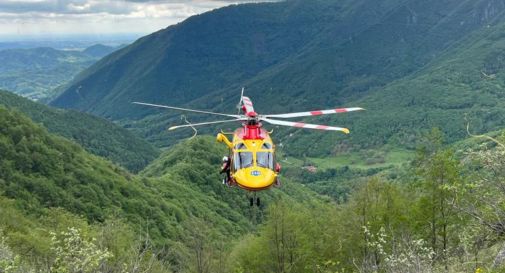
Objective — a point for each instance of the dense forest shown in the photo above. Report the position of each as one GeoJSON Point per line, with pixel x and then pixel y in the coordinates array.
{"type": "Point", "coordinates": [97, 135]}
{"type": "Point", "coordinates": [64, 210]}
{"type": "Point", "coordinates": [443, 213]}
{"type": "Point", "coordinates": [51, 185]}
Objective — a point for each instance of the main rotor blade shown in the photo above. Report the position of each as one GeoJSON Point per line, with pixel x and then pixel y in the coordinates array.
{"type": "Point", "coordinates": [314, 113]}
{"type": "Point", "coordinates": [187, 110]}
{"type": "Point", "coordinates": [204, 123]}
{"type": "Point", "coordinates": [305, 125]}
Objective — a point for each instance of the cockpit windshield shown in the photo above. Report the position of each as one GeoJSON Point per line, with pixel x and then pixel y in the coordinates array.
{"type": "Point", "coordinates": [243, 160]}
{"type": "Point", "coordinates": [240, 146]}
{"type": "Point", "coordinates": [265, 160]}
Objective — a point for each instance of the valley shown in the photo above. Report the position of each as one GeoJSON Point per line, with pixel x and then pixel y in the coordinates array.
{"type": "Point", "coordinates": [37, 73]}
{"type": "Point", "coordinates": [90, 176]}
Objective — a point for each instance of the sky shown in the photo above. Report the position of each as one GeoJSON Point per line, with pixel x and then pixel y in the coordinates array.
{"type": "Point", "coordinates": [19, 18]}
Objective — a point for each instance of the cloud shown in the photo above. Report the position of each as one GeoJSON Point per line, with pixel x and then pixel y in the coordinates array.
{"type": "Point", "coordinates": [94, 16]}
{"type": "Point", "coordinates": [94, 6]}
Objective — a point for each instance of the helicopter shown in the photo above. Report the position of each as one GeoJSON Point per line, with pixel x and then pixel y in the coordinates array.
{"type": "Point", "coordinates": [252, 151]}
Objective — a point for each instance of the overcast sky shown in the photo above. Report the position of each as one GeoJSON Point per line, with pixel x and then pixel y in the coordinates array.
{"type": "Point", "coordinates": [41, 17]}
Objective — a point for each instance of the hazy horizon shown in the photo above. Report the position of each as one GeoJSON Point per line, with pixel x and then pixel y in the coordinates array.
{"type": "Point", "coordinates": [55, 37]}
{"type": "Point", "coordinates": [54, 19]}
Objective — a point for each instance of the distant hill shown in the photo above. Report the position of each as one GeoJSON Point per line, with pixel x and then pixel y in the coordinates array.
{"type": "Point", "coordinates": [99, 51]}
{"type": "Point", "coordinates": [394, 58]}
{"type": "Point", "coordinates": [36, 72]}
{"type": "Point", "coordinates": [98, 136]}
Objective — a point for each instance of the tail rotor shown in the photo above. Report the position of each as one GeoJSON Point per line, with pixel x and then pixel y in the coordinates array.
{"type": "Point", "coordinates": [239, 105]}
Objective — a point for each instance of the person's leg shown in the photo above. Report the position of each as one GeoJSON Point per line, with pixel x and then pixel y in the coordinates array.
{"type": "Point", "coordinates": [228, 177]}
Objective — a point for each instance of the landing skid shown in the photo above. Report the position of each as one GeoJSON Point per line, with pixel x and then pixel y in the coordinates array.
{"type": "Point", "coordinates": [254, 200]}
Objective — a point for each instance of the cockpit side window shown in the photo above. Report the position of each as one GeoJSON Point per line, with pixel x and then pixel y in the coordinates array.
{"type": "Point", "coordinates": [265, 160]}
{"type": "Point", "coordinates": [242, 160]}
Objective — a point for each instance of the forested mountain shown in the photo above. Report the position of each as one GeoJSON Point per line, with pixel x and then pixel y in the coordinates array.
{"type": "Point", "coordinates": [390, 57]}
{"type": "Point", "coordinates": [40, 172]}
{"type": "Point", "coordinates": [97, 135]}
{"type": "Point", "coordinates": [36, 72]}
{"type": "Point", "coordinates": [177, 217]}
{"type": "Point", "coordinates": [463, 85]}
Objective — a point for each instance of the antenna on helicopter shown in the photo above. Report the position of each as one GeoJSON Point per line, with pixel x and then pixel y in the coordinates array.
{"type": "Point", "coordinates": [183, 117]}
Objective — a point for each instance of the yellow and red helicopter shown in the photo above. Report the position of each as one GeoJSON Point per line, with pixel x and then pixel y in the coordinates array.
{"type": "Point", "coordinates": [252, 151]}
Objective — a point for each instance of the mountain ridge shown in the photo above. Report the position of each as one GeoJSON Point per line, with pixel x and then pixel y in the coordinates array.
{"type": "Point", "coordinates": [347, 53]}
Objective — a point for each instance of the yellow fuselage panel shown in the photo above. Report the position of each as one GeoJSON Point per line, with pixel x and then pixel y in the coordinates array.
{"type": "Point", "coordinates": [254, 177]}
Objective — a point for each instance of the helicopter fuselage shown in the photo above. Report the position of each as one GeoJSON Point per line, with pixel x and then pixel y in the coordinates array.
{"type": "Point", "coordinates": [252, 164]}
{"type": "Point", "coordinates": [252, 153]}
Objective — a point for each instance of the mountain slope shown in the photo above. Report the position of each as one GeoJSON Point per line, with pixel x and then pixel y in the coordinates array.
{"type": "Point", "coordinates": [196, 161]}
{"type": "Point", "coordinates": [171, 65]}
{"type": "Point", "coordinates": [96, 135]}
{"type": "Point", "coordinates": [465, 84]}
{"type": "Point", "coordinates": [192, 59]}
{"type": "Point", "coordinates": [39, 171]}
{"type": "Point", "coordinates": [295, 56]}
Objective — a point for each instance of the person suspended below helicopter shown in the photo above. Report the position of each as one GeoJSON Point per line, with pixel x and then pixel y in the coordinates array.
{"type": "Point", "coordinates": [226, 170]}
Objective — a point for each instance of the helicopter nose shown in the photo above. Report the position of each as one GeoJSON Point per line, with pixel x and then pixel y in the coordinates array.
{"type": "Point", "coordinates": [255, 178]}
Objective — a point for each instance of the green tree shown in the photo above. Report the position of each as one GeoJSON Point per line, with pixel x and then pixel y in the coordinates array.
{"type": "Point", "coordinates": [9, 261]}
{"type": "Point", "coordinates": [76, 254]}
{"type": "Point", "coordinates": [481, 197]}
{"type": "Point", "coordinates": [437, 170]}
{"type": "Point", "coordinates": [376, 206]}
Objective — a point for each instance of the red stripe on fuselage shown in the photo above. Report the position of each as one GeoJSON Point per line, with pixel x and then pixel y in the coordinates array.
{"type": "Point", "coordinates": [316, 113]}
{"type": "Point", "coordinates": [340, 110]}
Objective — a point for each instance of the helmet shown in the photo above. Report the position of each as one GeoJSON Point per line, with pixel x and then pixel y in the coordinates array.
{"type": "Point", "coordinates": [225, 158]}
